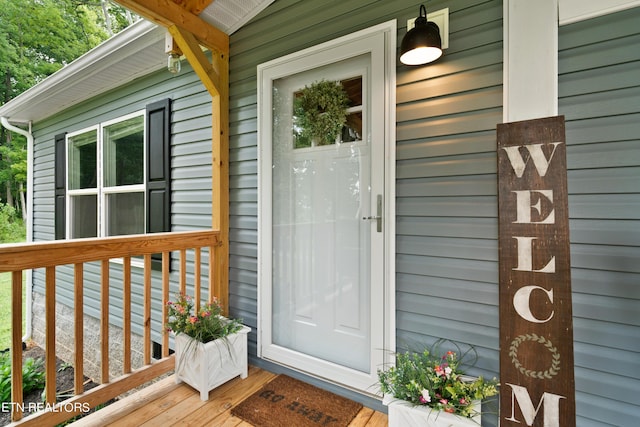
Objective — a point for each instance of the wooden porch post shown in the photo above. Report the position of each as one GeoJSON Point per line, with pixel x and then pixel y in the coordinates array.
{"type": "Point", "coordinates": [215, 77]}
{"type": "Point", "coordinates": [220, 181]}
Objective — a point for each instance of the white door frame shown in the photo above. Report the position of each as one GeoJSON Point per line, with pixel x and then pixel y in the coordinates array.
{"type": "Point", "coordinates": [296, 61]}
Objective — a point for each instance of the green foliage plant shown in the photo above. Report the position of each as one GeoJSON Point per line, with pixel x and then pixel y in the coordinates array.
{"type": "Point", "coordinates": [320, 112]}
{"type": "Point", "coordinates": [32, 376]}
{"type": "Point", "coordinates": [11, 225]}
{"type": "Point", "coordinates": [205, 325]}
{"type": "Point", "coordinates": [437, 381]}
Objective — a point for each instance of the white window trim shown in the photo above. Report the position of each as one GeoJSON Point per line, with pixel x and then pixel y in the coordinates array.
{"type": "Point", "coordinates": [100, 190]}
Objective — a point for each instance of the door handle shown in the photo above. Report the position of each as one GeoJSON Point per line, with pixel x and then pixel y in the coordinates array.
{"type": "Point", "coordinates": [378, 216]}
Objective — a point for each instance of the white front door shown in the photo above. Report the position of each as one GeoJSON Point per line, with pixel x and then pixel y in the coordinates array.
{"type": "Point", "coordinates": [324, 215]}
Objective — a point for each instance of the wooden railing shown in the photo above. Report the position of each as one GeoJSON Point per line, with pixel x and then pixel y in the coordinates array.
{"type": "Point", "coordinates": [48, 255]}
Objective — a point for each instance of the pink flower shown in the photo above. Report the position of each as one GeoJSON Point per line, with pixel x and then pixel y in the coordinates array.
{"type": "Point", "coordinates": [424, 396]}
{"type": "Point", "coordinates": [463, 401]}
{"type": "Point", "coordinates": [444, 401]}
{"type": "Point", "coordinates": [193, 319]}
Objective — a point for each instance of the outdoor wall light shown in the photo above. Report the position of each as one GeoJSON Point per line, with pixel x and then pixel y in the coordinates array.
{"type": "Point", "coordinates": [421, 44]}
{"type": "Point", "coordinates": [173, 63]}
{"type": "Point", "coordinates": [174, 52]}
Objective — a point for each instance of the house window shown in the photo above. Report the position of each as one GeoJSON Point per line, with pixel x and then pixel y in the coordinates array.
{"type": "Point", "coordinates": [114, 178]}
{"type": "Point", "coordinates": [105, 179]}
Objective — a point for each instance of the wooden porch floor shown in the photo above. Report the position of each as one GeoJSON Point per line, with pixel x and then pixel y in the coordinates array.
{"type": "Point", "coordinates": [166, 403]}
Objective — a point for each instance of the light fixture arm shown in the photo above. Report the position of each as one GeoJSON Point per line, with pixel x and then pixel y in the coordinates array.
{"type": "Point", "coordinates": [422, 18]}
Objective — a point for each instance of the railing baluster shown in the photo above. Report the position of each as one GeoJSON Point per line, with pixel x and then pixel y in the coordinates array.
{"type": "Point", "coordinates": [147, 310]}
{"type": "Point", "coordinates": [196, 278]}
{"type": "Point", "coordinates": [166, 259]}
{"type": "Point", "coordinates": [126, 313]}
{"type": "Point", "coordinates": [104, 320]}
{"type": "Point", "coordinates": [78, 321]}
{"type": "Point", "coordinates": [16, 345]}
{"type": "Point", "coordinates": [50, 339]}
{"type": "Point", "coordinates": [211, 275]}
{"type": "Point", "coordinates": [183, 271]}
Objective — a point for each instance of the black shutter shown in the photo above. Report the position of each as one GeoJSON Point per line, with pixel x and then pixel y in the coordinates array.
{"type": "Point", "coordinates": [158, 170]}
{"type": "Point", "coordinates": [60, 192]}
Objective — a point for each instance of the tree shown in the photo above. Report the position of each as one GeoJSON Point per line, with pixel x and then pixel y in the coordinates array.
{"type": "Point", "coordinates": [37, 38]}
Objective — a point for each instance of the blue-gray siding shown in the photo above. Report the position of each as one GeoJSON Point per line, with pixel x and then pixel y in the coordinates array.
{"type": "Point", "coordinates": [599, 89]}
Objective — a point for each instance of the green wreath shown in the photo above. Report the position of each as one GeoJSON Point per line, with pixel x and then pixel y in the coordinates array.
{"type": "Point", "coordinates": [319, 113]}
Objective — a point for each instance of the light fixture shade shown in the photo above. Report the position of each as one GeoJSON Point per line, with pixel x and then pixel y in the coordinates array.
{"type": "Point", "coordinates": [173, 63]}
{"type": "Point", "coordinates": [421, 44]}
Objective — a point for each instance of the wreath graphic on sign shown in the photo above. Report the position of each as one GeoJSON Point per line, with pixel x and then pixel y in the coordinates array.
{"type": "Point", "coordinates": [555, 356]}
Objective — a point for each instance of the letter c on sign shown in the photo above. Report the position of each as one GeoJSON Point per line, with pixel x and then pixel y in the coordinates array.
{"type": "Point", "coordinates": [521, 303]}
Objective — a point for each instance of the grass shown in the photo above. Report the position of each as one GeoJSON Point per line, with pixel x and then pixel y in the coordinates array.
{"type": "Point", "coordinates": [5, 309]}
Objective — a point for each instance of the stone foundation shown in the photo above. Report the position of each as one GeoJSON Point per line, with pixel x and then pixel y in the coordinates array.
{"type": "Point", "coordinates": [92, 358]}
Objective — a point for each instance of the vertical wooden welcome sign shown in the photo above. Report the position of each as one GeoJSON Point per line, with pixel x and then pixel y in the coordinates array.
{"type": "Point", "coordinates": [536, 334]}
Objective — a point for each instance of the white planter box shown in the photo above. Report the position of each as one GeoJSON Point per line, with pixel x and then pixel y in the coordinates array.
{"type": "Point", "coordinates": [206, 366]}
{"type": "Point", "coordinates": [403, 414]}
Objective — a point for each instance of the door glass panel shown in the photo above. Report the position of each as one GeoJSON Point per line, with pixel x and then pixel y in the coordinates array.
{"type": "Point", "coordinates": [321, 245]}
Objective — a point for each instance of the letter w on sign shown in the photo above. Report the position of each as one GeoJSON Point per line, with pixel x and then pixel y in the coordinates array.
{"type": "Point", "coordinates": [536, 332]}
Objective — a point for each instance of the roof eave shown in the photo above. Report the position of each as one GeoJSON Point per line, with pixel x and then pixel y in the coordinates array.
{"type": "Point", "coordinates": [30, 105]}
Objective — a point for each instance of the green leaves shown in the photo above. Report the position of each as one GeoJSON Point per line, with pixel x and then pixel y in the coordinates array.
{"type": "Point", "coordinates": [32, 376]}
{"type": "Point", "coordinates": [436, 381]}
{"type": "Point", "coordinates": [207, 324]}
{"type": "Point", "coordinates": [37, 38]}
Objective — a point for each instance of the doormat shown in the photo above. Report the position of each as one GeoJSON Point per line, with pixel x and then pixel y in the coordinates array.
{"type": "Point", "coordinates": [287, 402]}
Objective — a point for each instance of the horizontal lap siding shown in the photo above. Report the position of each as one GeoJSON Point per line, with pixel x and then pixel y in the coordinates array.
{"type": "Point", "coordinates": [599, 88]}
{"type": "Point", "coordinates": [191, 184]}
{"type": "Point", "coordinates": [447, 226]}
{"type": "Point", "coordinates": [446, 185]}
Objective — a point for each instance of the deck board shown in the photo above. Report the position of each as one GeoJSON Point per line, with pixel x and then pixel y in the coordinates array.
{"type": "Point", "coordinates": [166, 403]}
